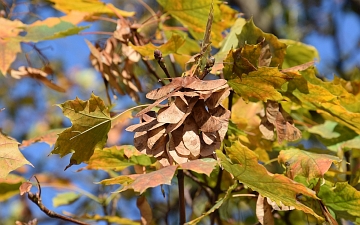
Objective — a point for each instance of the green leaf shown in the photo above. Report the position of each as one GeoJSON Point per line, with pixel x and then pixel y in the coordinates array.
{"type": "Point", "coordinates": [9, 186]}
{"type": "Point", "coordinates": [90, 124]}
{"type": "Point", "coordinates": [194, 15]}
{"type": "Point", "coordinates": [111, 219]}
{"type": "Point", "coordinates": [326, 98]}
{"type": "Point", "coordinates": [89, 6]}
{"type": "Point", "coordinates": [325, 130]}
{"type": "Point", "coordinates": [307, 164]}
{"type": "Point", "coordinates": [141, 182]}
{"type": "Point", "coordinates": [341, 197]}
{"type": "Point", "coordinates": [243, 165]}
{"type": "Point", "coordinates": [216, 206]}
{"type": "Point", "coordinates": [118, 158]}
{"type": "Point", "coordinates": [171, 46]}
{"type": "Point", "coordinates": [66, 198]}
{"type": "Point", "coordinates": [10, 155]}
{"type": "Point", "coordinates": [251, 35]}
{"type": "Point", "coordinates": [261, 84]}
{"type": "Point", "coordinates": [298, 53]}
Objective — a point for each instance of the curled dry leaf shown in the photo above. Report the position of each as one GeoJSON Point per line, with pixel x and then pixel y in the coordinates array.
{"type": "Point", "coordinates": [192, 126]}
{"type": "Point", "coordinates": [25, 187]}
{"type": "Point", "coordinates": [37, 74]}
{"type": "Point", "coordinates": [277, 118]}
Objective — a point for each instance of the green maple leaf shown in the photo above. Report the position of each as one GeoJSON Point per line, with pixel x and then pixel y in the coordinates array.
{"type": "Point", "coordinates": [10, 155]}
{"type": "Point", "coordinates": [243, 164]}
{"type": "Point", "coordinates": [90, 124]}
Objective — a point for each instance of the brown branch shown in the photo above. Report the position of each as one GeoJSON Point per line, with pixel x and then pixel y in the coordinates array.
{"type": "Point", "coordinates": [182, 212]}
{"type": "Point", "coordinates": [160, 61]}
{"type": "Point", "coordinates": [152, 71]}
{"type": "Point", "coordinates": [36, 198]}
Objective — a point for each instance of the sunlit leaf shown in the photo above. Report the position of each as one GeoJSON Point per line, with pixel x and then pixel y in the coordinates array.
{"type": "Point", "coordinates": [90, 124]}
{"type": "Point", "coordinates": [49, 138]}
{"type": "Point", "coordinates": [171, 46]}
{"type": "Point", "coordinates": [307, 164]}
{"type": "Point", "coordinates": [8, 46]}
{"type": "Point", "coordinates": [66, 198]}
{"type": "Point", "coordinates": [25, 187]}
{"type": "Point", "coordinates": [118, 158]}
{"type": "Point", "coordinates": [264, 211]}
{"type": "Point", "coordinates": [298, 53]}
{"type": "Point", "coordinates": [205, 166]}
{"type": "Point", "coordinates": [10, 155]}
{"type": "Point", "coordinates": [194, 16]}
{"type": "Point", "coordinates": [261, 84]}
{"type": "Point", "coordinates": [243, 164]}
{"type": "Point", "coordinates": [111, 219]}
{"type": "Point", "coordinates": [89, 6]}
{"type": "Point", "coordinates": [214, 207]}
{"type": "Point", "coordinates": [251, 35]}
{"type": "Point", "coordinates": [141, 182]}
{"type": "Point", "coordinates": [9, 186]}
{"type": "Point", "coordinates": [325, 130]}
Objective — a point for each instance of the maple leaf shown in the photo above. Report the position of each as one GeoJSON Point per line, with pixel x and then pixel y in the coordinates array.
{"type": "Point", "coordinates": [118, 158]}
{"type": "Point", "coordinates": [90, 124]}
{"type": "Point", "coordinates": [194, 14]}
{"type": "Point", "coordinates": [94, 7]}
{"type": "Point", "coordinates": [10, 155]}
{"type": "Point", "coordinates": [307, 164]}
{"type": "Point", "coordinates": [49, 138]}
{"type": "Point", "coordinates": [243, 164]}
{"type": "Point", "coordinates": [141, 182]}
{"type": "Point", "coordinates": [298, 53]}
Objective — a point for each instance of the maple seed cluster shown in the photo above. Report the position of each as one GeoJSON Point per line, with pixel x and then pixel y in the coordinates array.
{"type": "Point", "coordinates": [192, 124]}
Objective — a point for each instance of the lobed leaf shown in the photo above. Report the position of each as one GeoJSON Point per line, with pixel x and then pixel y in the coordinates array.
{"type": "Point", "coordinates": [205, 166]}
{"type": "Point", "coordinates": [298, 53]}
{"type": "Point", "coordinates": [10, 155]}
{"type": "Point", "coordinates": [90, 124]}
{"type": "Point", "coordinates": [194, 16]}
{"type": "Point", "coordinates": [307, 164]}
{"type": "Point", "coordinates": [243, 165]}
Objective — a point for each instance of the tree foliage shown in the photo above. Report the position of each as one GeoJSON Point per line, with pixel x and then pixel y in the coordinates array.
{"type": "Point", "coordinates": [238, 128]}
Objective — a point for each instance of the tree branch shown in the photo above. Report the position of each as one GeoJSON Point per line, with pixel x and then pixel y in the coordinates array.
{"type": "Point", "coordinates": [36, 198]}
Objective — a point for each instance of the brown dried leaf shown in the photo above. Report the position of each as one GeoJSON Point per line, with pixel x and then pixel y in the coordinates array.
{"type": "Point", "coordinates": [140, 141]}
{"type": "Point", "coordinates": [189, 109]}
{"type": "Point", "coordinates": [176, 142]}
{"type": "Point", "coordinates": [25, 187]}
{"type": "Point", "coordinates": [36, 74]}
{"type": "Point", "coordinates": [263, 211]}
{"type": "Point", "coordinates": [267, 129]}
{"type": "Point", "coordinates": [174, 113]}
{"type": "Point", "coordinates": [176, 84]}
{"type": "Point", "coordinates": [209, 137]}
{"type": "Point", "coordinates": [154, 136]}
{"type": "Point", "coordinates": [191, 137]}
{"type": "Point", "coordinates": [265, 55]}
{"type": "Point", "coordinates": [177, 157]}
{"type": "Point", "coordinates": [217, 98]}
{"type": "Point", "coordinates": [204, 85]}
{"type": "Point", "coordinates": [208, 150]}
{"type": "Point", "coordinates": [286, 130]}
{"type": "Point", "coordinates": [223, 115]}
{"type": "Point", "coordinates": [272, 109]}
{"type": "Point", "coordinates": [205, 121]}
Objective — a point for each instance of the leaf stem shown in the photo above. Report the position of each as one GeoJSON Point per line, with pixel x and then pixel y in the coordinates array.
{"type": "Point", "coordinates": [182, 212]}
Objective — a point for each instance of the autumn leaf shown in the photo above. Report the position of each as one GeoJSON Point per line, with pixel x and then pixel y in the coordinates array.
{"type": "Point", "coordinates": [141, 182]}
{"type": "Point", "coordinates": [10, 155]}
{"type": "Point", "coordinates": [25, 187]}
{"type": "Point", "coordinates": [307, 164]}
{"type": "Point", "coordinates": [325, 130]}
{"type": "Point", "coordinates": [118, 158]}
{"type": "Point", "coordinates": [251, 35]}
{"type": "Point", "coordinates": [298, 53]}
{"type": "Point", "coordinates": [49, 138]}
{"type": "Point", "coordinates": [243, 165]}
{"type": "Point", "coordinates": [111, 219]}
{"type": "Point", "coordinates": [93, 7]}
{"type": "Point", "coordinates": [206, 165]}
{"type": "Point", "coordinates": [194, 16]}
{"type": "Point", "coordinates": [91, 123]}
{"type": "Point", "coordinates": [171, 46]}
{"type": "Point", "coordinates": [8, 46]}
{"type": "Point", "coordinates": [9, 186]}
{"type": "Point", "coordinates": [66, 198]}
{"type": "Point", "coordinates": [262, 84]}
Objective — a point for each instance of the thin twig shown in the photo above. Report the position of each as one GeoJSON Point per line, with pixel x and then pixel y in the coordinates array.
{"type": "Point", "coordinates": [182, 212]}
{"type": "Point", "coordinates": [36, 198]}
{"type": "Point", "coordinates": [202, 185]}
{"type": "Point", "coordinates": [160, 60]}
{"type": "Point", "coordinates": [152, 71]}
